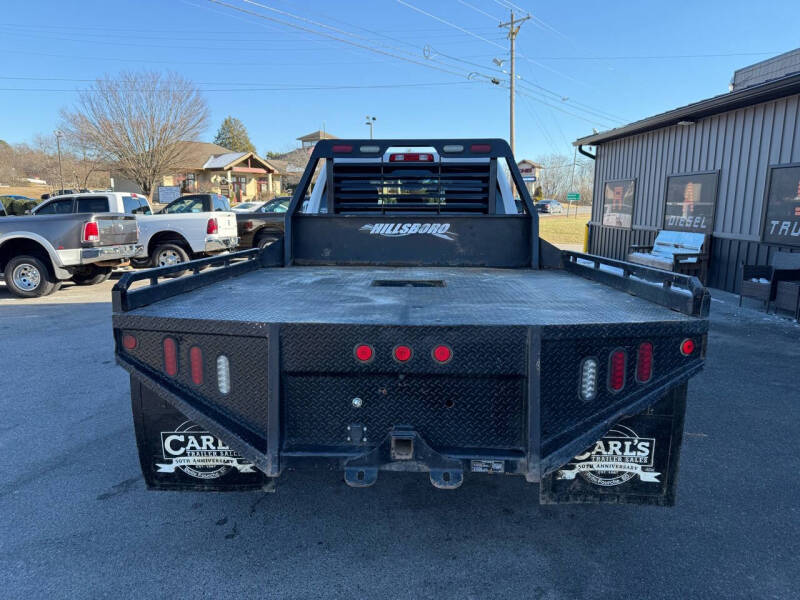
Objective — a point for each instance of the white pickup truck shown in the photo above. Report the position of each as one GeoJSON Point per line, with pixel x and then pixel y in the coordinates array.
{"type": "Point", "coordinates": [192, 226]}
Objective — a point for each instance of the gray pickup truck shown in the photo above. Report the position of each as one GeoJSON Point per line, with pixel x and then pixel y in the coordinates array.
{"type": "Point", "coordinates": [38, 253]}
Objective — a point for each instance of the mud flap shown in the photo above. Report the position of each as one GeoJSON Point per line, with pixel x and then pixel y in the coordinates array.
{"type": "Point", "coordinates": [177, 454]}
{"type": "Point", "coordinates": [636, 462]}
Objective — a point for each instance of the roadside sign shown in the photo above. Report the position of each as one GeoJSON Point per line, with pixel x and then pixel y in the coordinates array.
{"type": "Point", "coordinates": [168, 193]}
{"type": "Point", "coordinates": [573, 197]}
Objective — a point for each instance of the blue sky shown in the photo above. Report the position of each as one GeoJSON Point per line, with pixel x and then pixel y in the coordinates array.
{"type": "Point", "coordinates": [614, 62]}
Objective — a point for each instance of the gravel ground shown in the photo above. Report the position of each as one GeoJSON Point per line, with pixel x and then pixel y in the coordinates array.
{"type": "Point", "coordinates": [77, 520]}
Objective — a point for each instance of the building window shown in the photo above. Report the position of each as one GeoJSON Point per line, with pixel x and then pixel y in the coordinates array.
{"type": "Point", "coordinates": [618, 203]}
{"type": "Point", "coordinates": [239, 187]}
{"type": "Point", "coordinates": [690, 202]}
{"type": "Point", "coordinates": [189, 183]}
{"type": "Point", "coordinates": [782, 211]}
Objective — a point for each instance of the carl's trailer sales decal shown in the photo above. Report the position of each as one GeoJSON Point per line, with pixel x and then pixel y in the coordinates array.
{"type": "Point", "coordinates": [617, 458]}
{"type": "Point", "coordinates": [198, 453]}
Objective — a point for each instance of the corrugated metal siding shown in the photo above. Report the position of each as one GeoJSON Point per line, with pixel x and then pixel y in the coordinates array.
{"type": "Point", "coordinates": [740, 144]}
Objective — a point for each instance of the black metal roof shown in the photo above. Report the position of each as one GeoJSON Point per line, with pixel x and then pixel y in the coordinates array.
{"type": "Point", "coordinates": [771, 90]}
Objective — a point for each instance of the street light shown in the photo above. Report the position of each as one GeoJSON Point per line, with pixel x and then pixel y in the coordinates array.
{"type": "Point", "coordinates": [370, 122]}
{"type": "Point", "coordinates": [59, 134]}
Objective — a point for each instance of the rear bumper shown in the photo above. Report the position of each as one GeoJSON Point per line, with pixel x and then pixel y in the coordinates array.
{"type": "Point", "coordinates": [214, 245]}
{"type": "Point", "coordinates": [121, 252]}
{"type": "Point", "coordinates": [292, 404]}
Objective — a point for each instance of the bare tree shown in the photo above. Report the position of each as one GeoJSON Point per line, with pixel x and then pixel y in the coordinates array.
{"type": "Point", "coordinates": [557, 178]}
{"type": "Point", "coordinates": [137, 121]}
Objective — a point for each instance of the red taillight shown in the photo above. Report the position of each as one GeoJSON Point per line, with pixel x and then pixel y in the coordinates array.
{"type": "Point", "coordinates": [247, 225]}
{"type": "Point", "coordinates": [480, 148]}
{"type": "Point", "coordinates": [91, 232]}
{"type": "Point", "coordinates": [170, 356]}
{"type": "Point", "coordinates": [342, 148]}
{"type": "Point", "coordinates": [402, 353]}
{"type": "Point", "coordinates": [364, 352]}
{"type": "Point", "coordinates": [644, 362]}
{"type": "Point", "coordinates": [442, 353]}
{"type": "Point", "coordinates": [196, 364]}
{"type": "Point", "coordinates": [411, 157]}
{"type": "Point", "coordinates": [687, 347]}
{"type": "Point", "coordinates": [129, 342]}
{"type": "Point", "coordinates": [616, 370]}
{"type": "Point", "coordinates": [212, 226]}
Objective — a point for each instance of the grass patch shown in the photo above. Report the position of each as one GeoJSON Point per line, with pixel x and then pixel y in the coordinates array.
{"type": "Point", "coordinates": [559, 229]}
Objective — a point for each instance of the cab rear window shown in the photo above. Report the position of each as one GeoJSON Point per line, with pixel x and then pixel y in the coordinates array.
{"type": "Point", "coordinates": [135, 205]}
{"type": "Point", "coordinates": [92, 204]}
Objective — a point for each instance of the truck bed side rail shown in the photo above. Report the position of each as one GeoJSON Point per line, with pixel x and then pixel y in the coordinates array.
{"type": "Point", "coordinates": [682, 293]}
{"type": "Point", "coordinates": [165, 282]}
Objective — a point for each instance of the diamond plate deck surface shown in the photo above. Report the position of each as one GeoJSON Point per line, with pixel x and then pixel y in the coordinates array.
{"type": "Point", "coordinates": [469, 296]}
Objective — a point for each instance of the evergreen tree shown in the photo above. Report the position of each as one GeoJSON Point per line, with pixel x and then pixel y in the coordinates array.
{"type": "Point", "coordinates": [233, 135]}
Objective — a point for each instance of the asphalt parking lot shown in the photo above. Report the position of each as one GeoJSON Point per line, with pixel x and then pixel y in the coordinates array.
{"type": "Point", "coordinates": [77, 521]}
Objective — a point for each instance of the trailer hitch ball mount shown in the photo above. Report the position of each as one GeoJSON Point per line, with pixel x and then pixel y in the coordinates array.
{"type": "Point", "coordinates": [403, 450]}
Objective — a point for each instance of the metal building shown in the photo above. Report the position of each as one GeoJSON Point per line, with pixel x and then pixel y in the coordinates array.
{"type": "Point", "coordinates": [728, 166]}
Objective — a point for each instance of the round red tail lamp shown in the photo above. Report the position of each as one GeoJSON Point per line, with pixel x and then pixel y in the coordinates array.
{"type": "Point", "coordinates": [129, 342]}
{"type": "Point", "coordinates": [402, 353]}
{"type": "Point", "coordinates": [687, 347]}
{"type": "Point", "coordinates": [442, 353]}
{"type": "Point", "coordinates": [364, 352]}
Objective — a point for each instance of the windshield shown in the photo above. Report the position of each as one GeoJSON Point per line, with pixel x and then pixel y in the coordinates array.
{"type": "Point", "coordinates": [278, 205]}
{"type": "Point", "coordinates": [247, 206]}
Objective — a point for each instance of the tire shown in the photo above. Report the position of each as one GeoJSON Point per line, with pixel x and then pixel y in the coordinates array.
{"type": "Point", "coordinates": [140, 263]}
{"type": "Point", "coordinates": [91, 275]}
{"type": "Point", "coordinates": [29, 277]}
{"type": "Point", "coordinates": [168, 255]}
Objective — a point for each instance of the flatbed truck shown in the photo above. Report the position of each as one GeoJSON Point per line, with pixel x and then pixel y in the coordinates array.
{"type": "Point", "coordinates": [411, 319]}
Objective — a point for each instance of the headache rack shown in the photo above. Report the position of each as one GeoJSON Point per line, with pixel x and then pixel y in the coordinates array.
{"type": "Point", "coordinates": [435, 186]}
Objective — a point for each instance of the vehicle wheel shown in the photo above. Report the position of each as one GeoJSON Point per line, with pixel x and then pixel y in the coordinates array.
{"type": "Point", "coordinates": [167, 255]}
{"type": "Point", "coordinates": [264, 241]}
{"type": "Point", "coordinates": [140, 263]}
{"type": "Point", "coordinates": [91, 275]}
{"type": "Point", "coordinates": [29, 277]}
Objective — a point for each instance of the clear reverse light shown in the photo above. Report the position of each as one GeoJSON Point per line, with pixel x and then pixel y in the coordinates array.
{"type": "Point", "coordinates": [223, 374]}
{"type": "Point", "coordinates": [588, 389]}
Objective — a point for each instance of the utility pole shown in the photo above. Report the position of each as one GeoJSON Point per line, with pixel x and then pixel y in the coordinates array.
{"type": "Point", "coordinates": [513, 29]}
{"type": "Point", "coordinates": [370, 122]}
{"type": "Point", "coordinates": [572, 181]}
{"type": "Point", "coordinates": [58, 133]}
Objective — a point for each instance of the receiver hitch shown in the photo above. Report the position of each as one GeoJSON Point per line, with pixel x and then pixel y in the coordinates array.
{"type": "Point", "coordinates": [403, 450]}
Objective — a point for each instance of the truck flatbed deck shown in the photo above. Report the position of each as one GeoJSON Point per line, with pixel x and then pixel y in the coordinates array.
{"type": "Point", "coordinates": [411, 296]}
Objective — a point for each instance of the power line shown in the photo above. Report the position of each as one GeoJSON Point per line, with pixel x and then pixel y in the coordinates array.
{"type": "Point", "coordinates": [545, 133]}
{"type": "Point", "coordinates": [656, 56]}
{"type": "Point", "coordinates": [490, 42]}
{"type": "Point", "coordinates": [478, 10]}
{"type": "Point", "coordinates": [255, 89]}
{"type": "Point", "coordinates": [559, 109]}
{"type": "Point", "coordinates": [453, 25]}
{"type": "Point", "coordinates": [322, 33]}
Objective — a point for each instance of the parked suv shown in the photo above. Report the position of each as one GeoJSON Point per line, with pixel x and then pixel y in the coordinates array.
{"type": "Point", "coordinates": [185, 229]}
